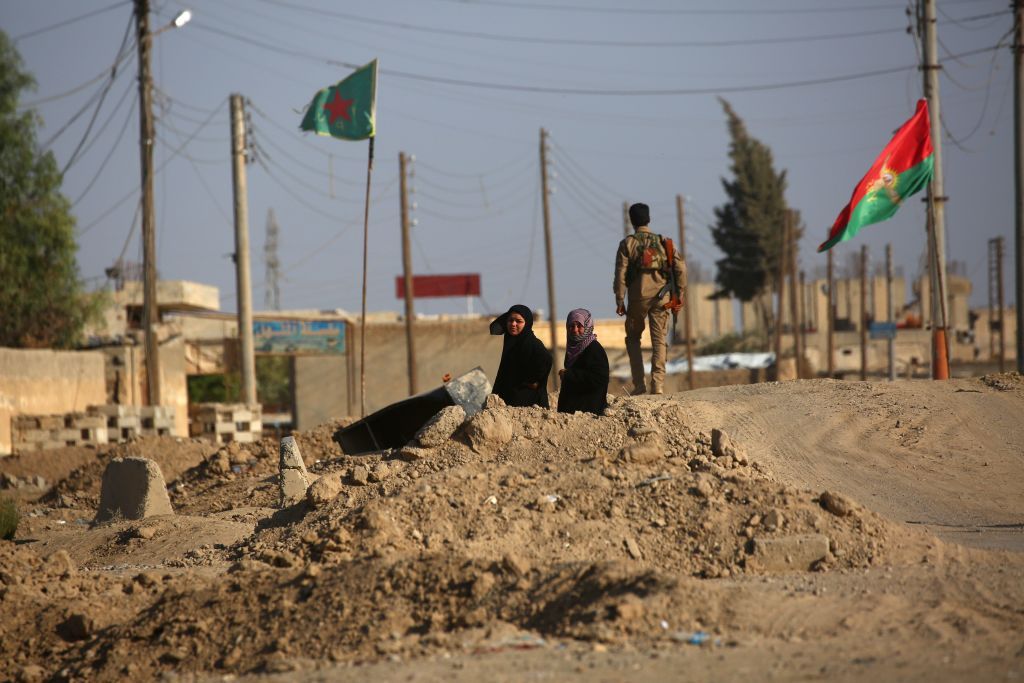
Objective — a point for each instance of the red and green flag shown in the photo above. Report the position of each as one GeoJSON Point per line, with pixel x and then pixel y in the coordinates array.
{"type": "Point", "coordinates": [902, 169]}
{"type": "Point", "coordinates": [346, 110]}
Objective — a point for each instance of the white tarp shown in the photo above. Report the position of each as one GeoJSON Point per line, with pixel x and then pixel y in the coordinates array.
{"type": "Point", "coordinates": [721, 361]}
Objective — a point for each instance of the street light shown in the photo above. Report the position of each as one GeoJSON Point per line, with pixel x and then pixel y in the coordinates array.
{"type": "Point", "coordinates": [183, 18]}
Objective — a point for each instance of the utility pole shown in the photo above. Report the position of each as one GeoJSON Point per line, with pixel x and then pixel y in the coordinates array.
{"type": "Point", "coordinates": [1001, 304]}
{"type": "Point", "coordinates": [803, 323]}
{"type": "Point", "coordinates": [780, 277]}
{"type": "Point", "coordinates": [147, 139]}
{"type": "Point", "coordinates": [556, 361]}
{"type": "Point", "coordinates": [686, 291]}
{"type": "Point", "coordinates": [791, 267]}
{"type": "Point", "coordinates": [1018, 167]}
{"type": "Point", "coordinates": [410, 338]}
{"type": "Point", "coordinates": [243, 283]}
{"type": "Point", "coordinates": [937, 196]}
{"type": "Point", "coordinates": [890, 309]}
{"type": "Point", "coordinates": [991, 298]}
{"type": "Point", "coordinates": [830, 345]}
{"type": "Point", "coordinates": [863, 312]}
{"type": "Point", "coordinates": [627, 227]}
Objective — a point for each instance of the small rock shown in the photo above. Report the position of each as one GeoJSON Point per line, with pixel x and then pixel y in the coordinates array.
{"type": "Point", "coordinates": [633, 549]}
{"type": "Point", "coordinates": [643, 453]}
{"type": "Point", "coordinates": [516, 564]}
{"type": "Point", "coordinates": [703, 487]}
{"type": "Point", "coordinates": [837, 504]}
{"type": "Point", "coordinates": [145, 532]}
{"type": "Point", "coordinates": [774, 519]}
{"type": "Point", "coordinates": [440, 428]}
{"type": "Point", "coordinates": [360, 475]}
{"type": "Point", "coordinates": [324, 490]}
{"type": "Point", "coordinates": [488, 431]}
{"type": "Point", "coordinates": [493, 401]}
{"type": "Point", "coordinates": [77, 626]}
{"type": "Point", "coordinates": [410, 453]}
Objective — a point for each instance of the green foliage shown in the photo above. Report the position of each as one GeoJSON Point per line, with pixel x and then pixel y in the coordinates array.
{"type": "Point", "coordinates": [274, 381]}
{"type": "Point", "coordinates": [8, 518]}
{"type": "Point", "coordinates": [749, 226]}
{"type": "Point", "coordinates": [41, 302]}
{"type": "Point", "coordinates": [732, 343]}
{"type": "Point", "coordinates": [214, 388]}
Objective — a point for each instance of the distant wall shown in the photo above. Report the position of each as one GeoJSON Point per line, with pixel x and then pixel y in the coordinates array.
{"type": "Point", "coordinates": [320, 386]}
{"type": "Point", "coordinates": [41, 382]}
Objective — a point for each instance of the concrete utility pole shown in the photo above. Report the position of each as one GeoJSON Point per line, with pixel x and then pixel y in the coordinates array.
{"type": "Point", "coordinates": [243, 283]}
{"type": "Point", "coordinates": [556, 360]}
{"type": "Point", "coordinates": [791, 268]}
{"type": "Point", "coordinates": [410, 338]}
{"type": "Point", "coordinates": [831, 344]}
{"type": "Point", "coordinates": [991, 297]}
{"type": "Point", "coordinates": [686, 295]}
{"type": "Point", "coordinates": [1018, 167]}
{"type": "Point", "coordinates": [147, 139]}
{"type": "Point", "coordinates": [803, 315]}
{"type": "Point", "coordinates": [890, 309]}
{"type": "Point", "coordinates": [937, 197]}
{"type": "Point", "coordinates": [863, 312]}
{"type": "Point", "coordinates": [627, 227]}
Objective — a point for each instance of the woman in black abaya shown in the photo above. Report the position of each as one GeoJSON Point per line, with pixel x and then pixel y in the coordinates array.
{"type": "Point", "coordinates": [585, 375]}
{"type": "Point", "coordinates": [522, 378]}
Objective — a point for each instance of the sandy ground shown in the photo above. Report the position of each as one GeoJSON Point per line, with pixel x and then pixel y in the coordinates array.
{"type": "Point", "coordinates": [532, 546]}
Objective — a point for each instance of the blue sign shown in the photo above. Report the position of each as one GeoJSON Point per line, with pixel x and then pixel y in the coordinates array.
{"type": "Point", "coordinates": [882, 330]}
{"type": "Point", "coordinates": [299, 336]}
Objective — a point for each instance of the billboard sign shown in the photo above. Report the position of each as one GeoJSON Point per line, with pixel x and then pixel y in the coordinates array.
{"type": "Point", "coordinates": [460, 284]}
{"type": "Point", "coordinates": [299, 336]}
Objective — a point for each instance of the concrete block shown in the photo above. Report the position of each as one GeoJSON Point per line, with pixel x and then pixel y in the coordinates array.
{"type": "Point", "coordinates": [31, 435]}
{"type": "Point", "coordinates": [294, 478]}
{"type": "Point", "coordinates": [789, 553]}
{"type": "Point", "coordinates": [25, 422]}
{"type": "Point", "coordinates": [133, 488]}
{"type": "Point", "coordinates": [51, 422]}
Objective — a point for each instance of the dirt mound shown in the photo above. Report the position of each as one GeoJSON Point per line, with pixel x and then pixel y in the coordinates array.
{"type": "Point", "coordinates": [81, 487]}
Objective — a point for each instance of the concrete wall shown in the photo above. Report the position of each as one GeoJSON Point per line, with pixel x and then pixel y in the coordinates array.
{"type": "Point", "coordinates": [320, 389]}
{"type": "Point", "coordinates": [39, 382]}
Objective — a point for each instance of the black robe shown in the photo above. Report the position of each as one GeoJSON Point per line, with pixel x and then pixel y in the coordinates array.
{"type": "Point", "coordinates": [585, 384]}
{"type": "Point", "coordinates": [524, 360]}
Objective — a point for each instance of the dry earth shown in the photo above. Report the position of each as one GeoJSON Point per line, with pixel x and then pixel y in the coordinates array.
{"type": "Point", "coordinates": [538, 546]}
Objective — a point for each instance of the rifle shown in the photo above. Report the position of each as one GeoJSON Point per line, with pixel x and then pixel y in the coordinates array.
{"type": "Point", "coordinates": [671, 287]}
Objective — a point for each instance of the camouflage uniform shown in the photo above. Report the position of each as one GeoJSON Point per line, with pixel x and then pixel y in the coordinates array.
{"type": "Point", "coordinates": [644, 305]}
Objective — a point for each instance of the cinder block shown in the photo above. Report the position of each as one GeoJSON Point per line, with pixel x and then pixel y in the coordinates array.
{"type": "Point", "coordinates": [82, 421]}
{"type": "Point", "coordinates": [31, 435]}
{"type": "Point", "coordinates": [51, 422]}
{"type": "Point", "coordinates": [25, 422]}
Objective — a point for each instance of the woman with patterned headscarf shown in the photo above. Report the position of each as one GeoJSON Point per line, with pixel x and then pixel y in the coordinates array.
{"type": "Point", "coordinates": [522, 378]}
{"type": "Point", "coordinates": [585, 375]}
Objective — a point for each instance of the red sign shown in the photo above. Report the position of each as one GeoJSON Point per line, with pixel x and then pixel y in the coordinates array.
{"type": "Point", "coordinates": [463, 284]}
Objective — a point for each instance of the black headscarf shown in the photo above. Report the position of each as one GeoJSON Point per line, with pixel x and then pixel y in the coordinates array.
{"type": "Point", "coordinates": [524, 360]}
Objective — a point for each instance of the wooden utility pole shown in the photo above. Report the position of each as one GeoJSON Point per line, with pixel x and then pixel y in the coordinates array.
{"type": "Point", "coordinates": [937, 196]}
{"type": "Point", "coordinates": [803, 325]}
{"type": "Point", "coordinates": [791, 268]}
{"type": "Point", "coordinates": [831, 343]}
{"type": "Point", "coordinates": [556, 360]}
{"type": "Point", "coordinates": [1000, 303]}
{"type": "Point", "coordinates": [991, 298]}
{"type": "Point", "coordinates": [890, 306]}
{"type": "Point", "coordinates": [780, 277]}
{"type": "Point", "coordinates": [243, 283]}
{"type": "Point", "coordinates": [680, 215]}
{"type": "Point", "coordinates": [147, 139]}
{"type": "Point", "coordinates": [863, 312]}
{"type": "Point", "coordinates": [1018, 167]}
{"type": "Point", "coordinates": [410, 338]}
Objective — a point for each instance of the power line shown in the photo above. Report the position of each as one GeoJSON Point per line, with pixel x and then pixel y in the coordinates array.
{"type": "Point", "coordinates": [110, 153]}
{"type": "Point", "coordinates": [72, 20]}
{"type": "Point", "coordinates": [660, 11]}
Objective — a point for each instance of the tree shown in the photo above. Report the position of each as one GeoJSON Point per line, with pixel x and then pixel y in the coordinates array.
{"type": "Point", "coordinates": [749, 226]}
{"type": "Point", "coordinates": [41, 300]}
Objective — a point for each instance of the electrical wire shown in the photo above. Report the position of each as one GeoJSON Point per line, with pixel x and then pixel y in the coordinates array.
{"type": "Point", "coordinates": [580, 42]}
{"type": "Point", "coordinates": [297, 136]}
{"type": "Point", "coordinates": [113, 113]}
{"type": "Point", "coordinates": [661, 11]}
{"type": "Point", "coordinates": [110, 153]}
{"type": "Point", "coordinates": [72, 20]}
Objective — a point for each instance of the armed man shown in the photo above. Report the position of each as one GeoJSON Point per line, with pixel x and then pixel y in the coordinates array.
{"type": "Point", "coordinates": [650, 282]}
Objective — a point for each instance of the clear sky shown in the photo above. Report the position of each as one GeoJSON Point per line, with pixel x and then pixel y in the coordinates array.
{"type": "Point", "coordinates": [626, 88]}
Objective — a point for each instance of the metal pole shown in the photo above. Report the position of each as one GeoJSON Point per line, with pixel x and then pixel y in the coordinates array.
{"type": "Point", "coordinates": [366, 240]}
{"type": "Point", "coordinates": [410, 338]}
{"type": "Point", "coordinates": [830, 345]}
{"type": "Point", "coordinates": [938, 195]}
{"type": "Point", "coordinates": [890, 306]}
{"type": "Point", "coordinates": [863, 312]}
{"type": "Point", "coordinates": [1018, 168]}
{"type": "Point", "coordinates": [687, 324]}
{"type": "Point", "coordinates": [556, 360]}
{"type": "Point", "coordinates": [147, 139]}
{"type": "Point", "coordinates": [243, 283]}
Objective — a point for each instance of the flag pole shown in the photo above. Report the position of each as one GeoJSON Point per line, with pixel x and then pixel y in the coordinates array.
{"type": "Point", "coordinates": [362, 324]}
